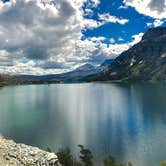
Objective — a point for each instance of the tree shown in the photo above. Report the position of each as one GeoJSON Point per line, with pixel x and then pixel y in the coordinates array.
{"type": "Point", "coordinates": [66, 158]}
{"type": "Point", "coordinates": [86, 156]}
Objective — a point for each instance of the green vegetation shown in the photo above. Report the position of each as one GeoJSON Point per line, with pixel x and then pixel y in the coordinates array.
{"type": "Point", "coordinates": [66, 158]}
{"type": "Point", "coordinates": [111, 161]}
{"type": "Point", "coordinates": [163, 163]}
{"type": "Point", "coordinates": [85, 159]}
{"type": "Point", "coordinates": [86, 156]}
{"type": "Point", "coordinates": [15, 80]}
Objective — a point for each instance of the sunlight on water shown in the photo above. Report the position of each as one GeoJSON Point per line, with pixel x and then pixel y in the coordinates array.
{"type": "Point", "coordinates": [128, 121]}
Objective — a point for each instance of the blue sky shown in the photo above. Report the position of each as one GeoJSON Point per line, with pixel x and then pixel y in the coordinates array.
{"type": "Point", "coordinates": [137, 21]}
{"type": "Point", "coordinates": [39, 37]}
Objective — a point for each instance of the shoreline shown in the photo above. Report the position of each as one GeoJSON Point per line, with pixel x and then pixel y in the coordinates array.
{"type": "Point", "coordinates": [15, 154]}
{"type": "Point", "coordinates": [109, 81]}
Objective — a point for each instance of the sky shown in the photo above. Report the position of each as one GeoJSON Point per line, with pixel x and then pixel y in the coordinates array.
{"type": "Point", "coordinates": [41, 37]}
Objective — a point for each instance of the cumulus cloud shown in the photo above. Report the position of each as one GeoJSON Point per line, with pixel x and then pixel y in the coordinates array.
{"type": "Point", "coordinates": [91, 23]}
{"type": "Point", "coordinates": [153, 8]}
{"type": "Point", "coordinates": [33, 31]}
{"type": "Point", "coordinates": [103, 19]}
{"type": "Point", "coordinates": [95, 50]}
{"type": "Point", "coordinates": [112, 40]}
{"type": "Point", "coordinates": [37, 38]}
{"type": "Point", "coordinates": [156, 23]}
{"type": "Point", "coordinates": [93, 3]}
{"type": "Point", "coordinates": [107, 18]}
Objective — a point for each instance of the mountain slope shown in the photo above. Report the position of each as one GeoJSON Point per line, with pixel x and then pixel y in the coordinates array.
{"type": "Point", "coordinates": [72, 76]}
{"type": "Point", "coordinates": [77, 74]}
{"type": "Point", "coordinates": [106, 64]}
{"type": "Point", "coordinates": [144, 61]}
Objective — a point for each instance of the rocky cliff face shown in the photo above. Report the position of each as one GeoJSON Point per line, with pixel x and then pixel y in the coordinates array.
{"type": "Point", "coordinates": [12, 154]}
{"type": "Point", "coordinates": [144, 61]}
{"type": "Point", "coordinates": [154, 33]}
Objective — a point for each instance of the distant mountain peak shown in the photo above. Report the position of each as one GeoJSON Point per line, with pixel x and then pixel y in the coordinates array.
{"type": "Point", "coordinates": [85, 67]}
{"type": "Point", "coordinates": [153, 33]}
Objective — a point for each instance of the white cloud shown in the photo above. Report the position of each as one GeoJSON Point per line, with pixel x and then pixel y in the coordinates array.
{"type": "Point", "coordinates": [149, 24]}
{"type": "Point", "coordinates": [153, 8]}
{"type": "Point", "coordinates": [93, 3]}
{"type": "Point", "coordinates": [98, 39]}
{"type": "Point", "coordinates": [89, 6]}
{"type": "Point", "coordinates": [156, 23]}
{"type": "Point", "coordinates": [38, 39]}
{"type": "Point", "coordinates": [112, 40]}
{"type": "Point", "coordinates": [32, 31]}
{"type": "Point", "coordinates": [103, 19]}
{"type": "Point", "coordinates": [123, 7]}
{"type": "Point", "coordinates": [95, 50]}
{"type": "Point", "coordinates": [107, 18]}
{"type": "Point", "coordinates": [120, 39]}
{"type": "Point", "coordinates": [136, 38]}
{"type": "Point", "coordinates": [91, 23]}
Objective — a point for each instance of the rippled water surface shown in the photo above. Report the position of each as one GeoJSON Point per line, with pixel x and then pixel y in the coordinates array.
{"type": "Point", "coordinates": [126, 120]}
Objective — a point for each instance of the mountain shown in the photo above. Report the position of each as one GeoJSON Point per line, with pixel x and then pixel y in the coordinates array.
{"type": "Point", "coordinates": [77, 74]}
{"type": "Point", "coordinates": [105, 65]}
{"type": "Point", "coordinates": [144, 61]}
{"type": "Point", "coordinates": [73, 76]}
{"type": "Point", "coordinates": [85, 68]}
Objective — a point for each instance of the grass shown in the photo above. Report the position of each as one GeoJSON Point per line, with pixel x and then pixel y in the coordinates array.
{"type": "Point", "coordinates": [163, 163]}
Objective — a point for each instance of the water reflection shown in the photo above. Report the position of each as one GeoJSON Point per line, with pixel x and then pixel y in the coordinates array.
{"type": "Point", "coordinates": [127, 120]}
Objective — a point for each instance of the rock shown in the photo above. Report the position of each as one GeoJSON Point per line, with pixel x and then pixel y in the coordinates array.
{"type": "Point", "coordinates": [13, 154]}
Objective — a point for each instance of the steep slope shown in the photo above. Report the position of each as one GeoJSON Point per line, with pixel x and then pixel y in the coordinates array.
{"type": "Point", "coordinates": [144, 61]}
{"type": "Point", "coordinates": [106, 64]}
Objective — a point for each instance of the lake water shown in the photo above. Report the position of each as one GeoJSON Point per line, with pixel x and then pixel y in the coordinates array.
{"type": "Point", "coordinates": [125, 120]}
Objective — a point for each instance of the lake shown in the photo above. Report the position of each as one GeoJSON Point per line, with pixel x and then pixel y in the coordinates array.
{"type": "Point", "coordinates": [125, 120]}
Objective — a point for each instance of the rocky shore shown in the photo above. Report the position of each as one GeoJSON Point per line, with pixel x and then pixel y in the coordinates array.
{"type": "Point", "coordinates": [13, 154]}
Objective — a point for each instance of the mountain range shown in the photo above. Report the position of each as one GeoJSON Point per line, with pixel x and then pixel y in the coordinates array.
{"type": "Point", "coordinates": [144, 61]}
{"type": "Point", "coordinates": [75, 75]}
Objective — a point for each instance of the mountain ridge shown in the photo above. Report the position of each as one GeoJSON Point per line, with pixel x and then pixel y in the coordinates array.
{"type": "Point", "coordinates": [146, 60]}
